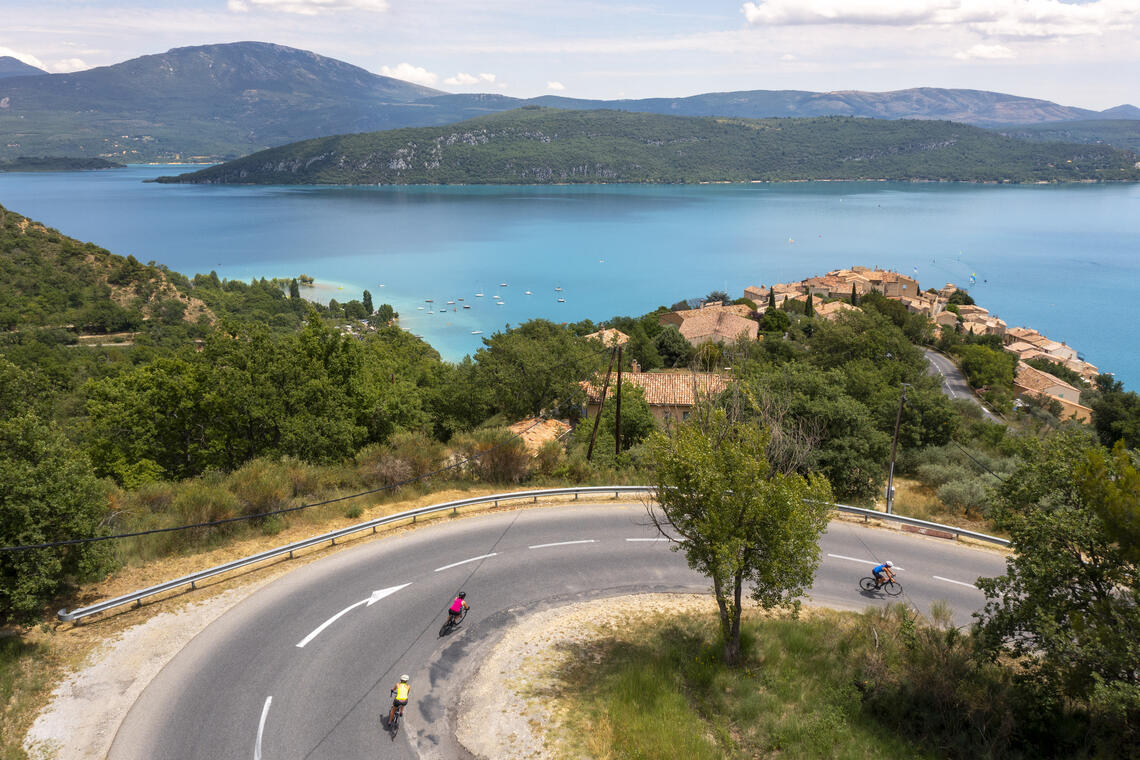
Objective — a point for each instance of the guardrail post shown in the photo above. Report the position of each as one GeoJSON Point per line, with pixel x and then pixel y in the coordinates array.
{"type": "Point", "coordinates": [534, 500]}
{"type": "Point", "coordinates": [333, 541]}
{"type": "Point", "coordinates": [496, 502]}
{"type": "Point", "coordinates": [290, 554]}
{"type": "Point", "coordinates": [575, 496]}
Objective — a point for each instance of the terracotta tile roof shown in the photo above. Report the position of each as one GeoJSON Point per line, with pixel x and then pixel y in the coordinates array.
{"type": "Point", "coordinates": [1034, 379]}
{"type": "Point", "coordinates": [535, 431]}
{"type": "Point", "coordinates": [740, 310]}
{"type": "Point", "coordinates": [832, 309]}
{"type": "Point", "coordinates": [664, 388]}
{"type": "Point", "coordinates": [610, 337]}
{"type": "Point", "coordinates": [718, 326]}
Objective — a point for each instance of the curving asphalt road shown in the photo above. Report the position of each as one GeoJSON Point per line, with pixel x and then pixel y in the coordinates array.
{"type": "Point", "coordinates": [302, 669]}
{"type": "Point", "coordinates": [954, 382]}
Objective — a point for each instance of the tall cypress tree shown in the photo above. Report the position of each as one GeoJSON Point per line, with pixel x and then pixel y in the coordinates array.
{"type": "Point", "coordinates": [854, 296]}
{"type": "Point", "coordinates": [771, 298]}
{"type": "Point", "coordinates": [809, 310]}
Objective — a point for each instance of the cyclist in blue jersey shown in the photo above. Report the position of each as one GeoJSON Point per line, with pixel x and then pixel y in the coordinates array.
{"type": "Point", "coordinates": [883, 573]}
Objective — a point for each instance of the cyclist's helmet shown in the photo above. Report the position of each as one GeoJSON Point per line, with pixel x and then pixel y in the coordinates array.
{"type": "Point", "coordinates": [404, 678]}
{"type": "Point", "coordinates": [462, 594]}
{"type": "Point", "coordinates": [888, 563]}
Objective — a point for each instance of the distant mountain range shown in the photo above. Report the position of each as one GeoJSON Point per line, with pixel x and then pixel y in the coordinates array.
{"type": "Point", "coordinates": [222, 101]}
{"type": "Point", "coordinates": [536, 145]}
{"type": "Point", "coordinates": [14, 67]}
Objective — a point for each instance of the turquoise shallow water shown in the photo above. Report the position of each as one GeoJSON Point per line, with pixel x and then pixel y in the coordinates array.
{"type": "Point", "coordinates": [1062, 259]}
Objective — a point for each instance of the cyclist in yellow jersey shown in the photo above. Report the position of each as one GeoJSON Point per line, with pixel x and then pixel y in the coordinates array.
{"type": "Point", "coordinates": [400, 692]}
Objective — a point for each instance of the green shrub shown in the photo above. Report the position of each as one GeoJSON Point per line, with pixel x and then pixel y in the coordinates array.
{"type": "Point", "coordinates": [422, 453]}
{"type": "Point", "coordinates": [199, 502]}
{"type": "Point", "coordinates": [548, 458]}
{"type": "Point", "coordinates": [261, 486]}
{"type": "Point", "coordinates": [496, 455]}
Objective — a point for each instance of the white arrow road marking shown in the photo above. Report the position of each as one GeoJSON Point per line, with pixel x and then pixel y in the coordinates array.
{"type": "Point", "coordinates": [376, 596]}
{"type": "Point", "coordinates": [864, 561]}
{"type": "Point", "coordinates": [261, 728]}
{"type": "Point", "coordinates": [563, 543]}
{"type": "Point", "coordinates": [951, 580]}
{"type": "Point", "coordinates": [465, 561]}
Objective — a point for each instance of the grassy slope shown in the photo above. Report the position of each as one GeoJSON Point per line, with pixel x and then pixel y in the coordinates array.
{"type": "Point", "coordinates": [541, 145]}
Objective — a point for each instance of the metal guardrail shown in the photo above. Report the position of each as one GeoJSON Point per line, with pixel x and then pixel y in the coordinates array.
{"type": "Point", "coordinates": [412, 514]}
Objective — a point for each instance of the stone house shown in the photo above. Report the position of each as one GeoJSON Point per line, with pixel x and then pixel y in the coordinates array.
{"type": "Point", "coordinates": [670, 395]}
{"type": "Point", "coordinates": [1034, 382]}
{"type": "Point", "coordinates": [609, 337]}
{"type": "Point", "coordinates": [713, 323]}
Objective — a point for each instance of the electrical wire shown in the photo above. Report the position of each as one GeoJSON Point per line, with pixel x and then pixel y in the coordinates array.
{"type": "Point", "coordinates": [286, 510]}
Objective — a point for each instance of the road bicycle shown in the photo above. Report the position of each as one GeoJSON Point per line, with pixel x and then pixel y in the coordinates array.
{"type": "Point", "coordinates": [394, 716]}
{"type": "Point", "coordinates": [453, 623]}
{"type": "Point", "coordinates": [889, 587]}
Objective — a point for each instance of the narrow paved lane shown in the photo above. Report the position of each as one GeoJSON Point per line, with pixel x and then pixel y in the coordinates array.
{"type": "Point", "coordinates": [954, 382]}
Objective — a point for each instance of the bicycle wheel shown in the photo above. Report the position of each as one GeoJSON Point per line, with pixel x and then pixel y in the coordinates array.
{"type": "Point", "coordinates": [867, 584]}
{"type": "Point", "coordinates": [462, 615]}
{"type": "Point", "coordinates": [446, 629]}
{"type": "Point", "coordinates": [892, 588]}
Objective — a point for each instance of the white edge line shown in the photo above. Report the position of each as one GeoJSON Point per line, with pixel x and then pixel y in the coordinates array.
{"type": "Point", "coordinates": [261, 728]}
{"type": "Point", "coordinates": [301, 644]}
{"type": "Point", "coordinates": [563, 543]}
{"type": "Point", "coordinates": [951, 580]}
{"type": "Point", "coordinates": [465, 561]}
{"type": "Point", "coordinates": [648, 539]}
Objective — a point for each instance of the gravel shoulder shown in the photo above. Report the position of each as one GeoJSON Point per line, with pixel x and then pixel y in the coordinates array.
{"type": "Point", "coordinates": [510, 710]}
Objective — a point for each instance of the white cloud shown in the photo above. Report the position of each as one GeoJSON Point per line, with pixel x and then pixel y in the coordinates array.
{"type": "Point", "coordinates": [995, 18]}
{"type": "Point", "coordinates": [462, 78]}
{"type": "Point", "coordinates": [787, 57]}
{"type": "Point", "coordinates": [308, 7]}
{"type": "Point", "coordinates": [984, 52]}
{"type": "Point", "coordinates": [410, 73]}
{"type": "Point", "coordinates": [556, 86]}
{"type": "Point", "coordinates": [31, 60]}
{"type": "Point", "coordinates": [67, 65]}
{"type": "Point", "coordinates": [487, 77]}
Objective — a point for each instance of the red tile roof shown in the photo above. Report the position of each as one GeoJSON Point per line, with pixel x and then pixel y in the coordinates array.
{"type": "Point", "coordinates": [664, 388]}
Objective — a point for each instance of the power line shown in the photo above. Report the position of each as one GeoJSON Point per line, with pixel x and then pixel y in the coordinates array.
{"type": "Point", "coordinates": [286, 510]}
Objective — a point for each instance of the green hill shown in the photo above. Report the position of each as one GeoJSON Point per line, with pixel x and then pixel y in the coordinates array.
{"type": "Point", "coordinates": [1119, 133]}
{"type": "Point", "coordinates": [536, 145]}
{"type": "Point", "coordinates": [50, 280]}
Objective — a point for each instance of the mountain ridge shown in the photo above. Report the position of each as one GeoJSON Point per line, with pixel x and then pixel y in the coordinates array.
{"type": "Point", "coordinates": [214, 102]}
{"type": "Point", "coordinates": [14, 67]}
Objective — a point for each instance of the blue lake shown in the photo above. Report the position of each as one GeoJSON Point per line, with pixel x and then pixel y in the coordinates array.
{"type": "Point", "coordinates": [1062, 259]}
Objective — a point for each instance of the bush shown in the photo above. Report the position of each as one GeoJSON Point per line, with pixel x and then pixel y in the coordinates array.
{"type": "Point", "coordinates": [422, 453]}
{"type": "Point", "coordinates": [966, 495]}
{"type": "Point", "coordinates": [200, 502]}
{"type": "Point", "coordinates": [496, 455]}
{"type": "Point", "coordinates": [261, 486]}
{"type": "Point", "coordinates": [549, 457]}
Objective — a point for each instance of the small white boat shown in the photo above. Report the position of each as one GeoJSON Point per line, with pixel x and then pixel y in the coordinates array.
{"type": "Point", "coordinates": [451, 303]}
{"type": "Point", "coordinates": [496, 296]}
{"type": "Point", "coordinates": [466, 306]}
{"type": "Point", "coordinates": [502, 285]}
{"type": "Point", "coordinates": [476, 332]}
{"type": "Point", "coordinates": [501, 303]}
{"type": "Point", "coordinates": [558, 288]}
{"type": "Point", "coordinates": [459, 299]}
{"type": "Point", "coordinates": [420, 308]}
{"type": "Point", "coordinates": [478, 295]}
{"type": "Point", "coordinates": [561, 300]}
{"type": "Point", "coordinates": [528, 293]}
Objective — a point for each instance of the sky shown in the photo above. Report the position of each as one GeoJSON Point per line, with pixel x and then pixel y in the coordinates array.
{"type": "Point", "coordinates": [1082, 53]}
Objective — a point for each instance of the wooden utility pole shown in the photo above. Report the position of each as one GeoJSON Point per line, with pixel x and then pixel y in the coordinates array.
{"type": "Point", "coordinates": [601, 405]}
{"type": "Point", "coordinates": [617, 419]}
{"type": "Point", "coordinates": [894, 448]}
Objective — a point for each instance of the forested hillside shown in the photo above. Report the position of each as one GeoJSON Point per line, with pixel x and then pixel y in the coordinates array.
{"type": "Point", "coordinates": [541, 145]}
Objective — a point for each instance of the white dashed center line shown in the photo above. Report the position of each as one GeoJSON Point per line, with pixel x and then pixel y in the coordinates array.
{"type": "Point", "coordinates": [862, 561]}
{"type": "Point", "coordinates": [465, 561]}
{"type": "Point", "coordinates": [951, 580]}
{"type": "Point", "coordinates": [563, 543]}
{"type": "Point", "coordinates": [647, 539]}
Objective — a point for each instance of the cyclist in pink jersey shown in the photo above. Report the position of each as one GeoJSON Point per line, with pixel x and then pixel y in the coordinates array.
{"type": "Point", "coordinates": [457, 607]}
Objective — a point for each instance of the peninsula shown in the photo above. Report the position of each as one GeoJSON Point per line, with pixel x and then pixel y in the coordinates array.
{"type": "Point", "coordinates": [535, 145]}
